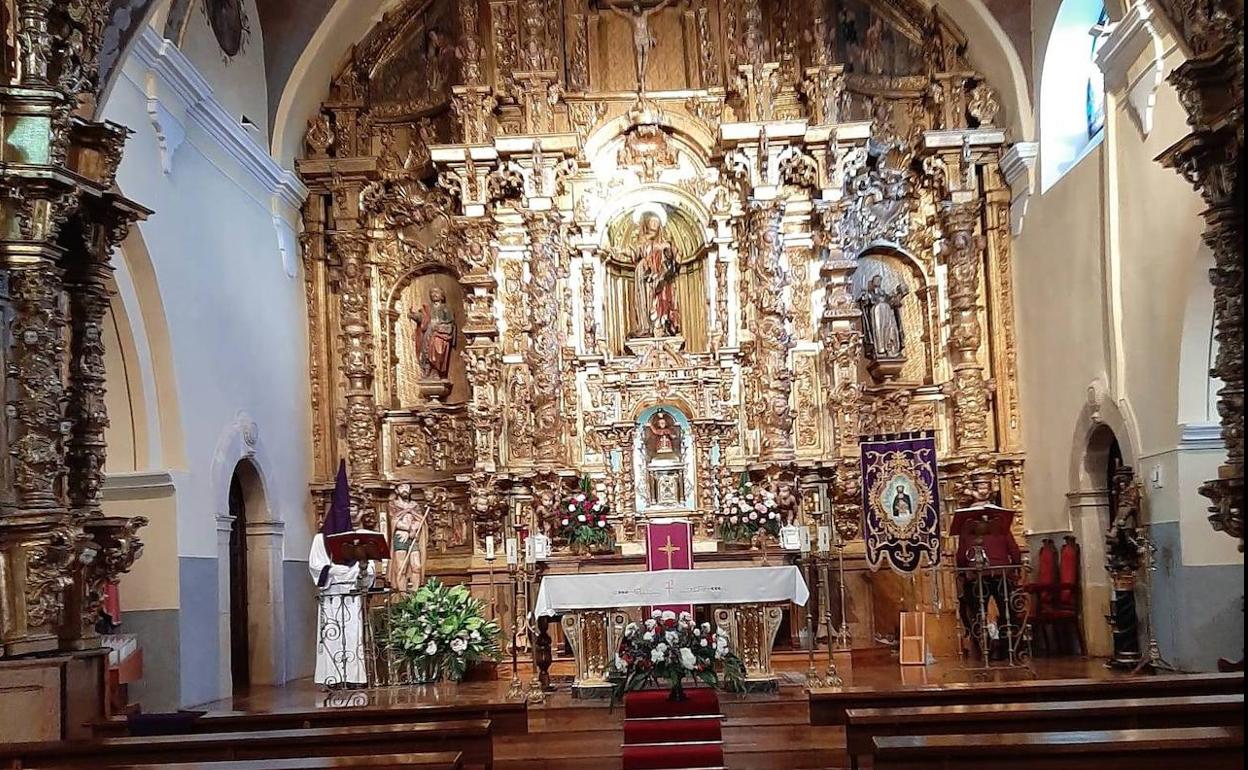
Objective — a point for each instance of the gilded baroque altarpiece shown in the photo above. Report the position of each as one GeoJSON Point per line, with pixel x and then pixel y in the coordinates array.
{"type": "Point", "coordinates": [660, 246]}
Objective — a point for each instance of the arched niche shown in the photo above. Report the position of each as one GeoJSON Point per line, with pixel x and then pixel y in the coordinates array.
{"type": "Point", "coordinates": [681, 227]}
{"type": "Point", "coordinates": [664, 460]}
{"type": "Point", "coordinates": [889, 268]}
{"type": "Point", "coordinates": [410, 299]}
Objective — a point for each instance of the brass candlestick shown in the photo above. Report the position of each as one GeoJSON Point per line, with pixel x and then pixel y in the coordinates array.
{"type": "Point", "coordinates": [812, 625]}
{"type": "Point", "coordinates": [515, 691]}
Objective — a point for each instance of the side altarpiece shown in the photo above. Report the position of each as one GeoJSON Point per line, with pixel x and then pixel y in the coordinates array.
{"type": "Point", "coordinates": [658, 244]}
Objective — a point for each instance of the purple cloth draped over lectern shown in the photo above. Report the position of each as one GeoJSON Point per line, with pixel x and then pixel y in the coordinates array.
{"type": "Point", "coordinates": [900, 501]}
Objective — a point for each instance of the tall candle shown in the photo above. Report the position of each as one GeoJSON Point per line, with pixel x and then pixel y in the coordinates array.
{"type": "Point", "coordinates": [513, 551]}
{"type": "Point", "coordinates": [489, 548]}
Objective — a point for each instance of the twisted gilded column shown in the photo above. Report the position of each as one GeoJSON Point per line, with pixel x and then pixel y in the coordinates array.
{"type": "Point", "coordinates": [969, 389]}
{"type": "Point", "coordinates": [542, 353]}
{"type": "Point", "coordinates": [772, 339]}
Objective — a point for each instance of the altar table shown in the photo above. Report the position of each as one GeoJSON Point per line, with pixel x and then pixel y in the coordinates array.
{"type": "Point", "coordinates": [748, 604]}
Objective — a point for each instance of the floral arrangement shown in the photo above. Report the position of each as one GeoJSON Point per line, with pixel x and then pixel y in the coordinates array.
{"type": "Point", "coordinates": [583, 520]}
{"type": "Point", "coordinates": [669, 648]}
{"type": "Point", "coordinates": [746, 510]}
{"type": "Point", "coordinates": [441, 631]}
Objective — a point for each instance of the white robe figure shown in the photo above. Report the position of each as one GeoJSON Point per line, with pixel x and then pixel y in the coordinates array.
{"type": "Point", "coordinates": [339, 619]}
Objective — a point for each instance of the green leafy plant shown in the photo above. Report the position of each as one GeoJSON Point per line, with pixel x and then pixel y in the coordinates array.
{"type": "Point", "coordinates": [441, 630]}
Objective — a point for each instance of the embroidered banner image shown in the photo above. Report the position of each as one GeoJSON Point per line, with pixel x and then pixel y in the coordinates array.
{"type": "Point", "coordinates": [901, 502]}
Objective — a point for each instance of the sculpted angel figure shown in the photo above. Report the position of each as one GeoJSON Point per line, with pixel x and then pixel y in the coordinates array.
{"type": "Point", "coordinates": [643, 39]}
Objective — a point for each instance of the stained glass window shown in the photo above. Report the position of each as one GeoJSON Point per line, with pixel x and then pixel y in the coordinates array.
{"type": "Point", "coordinates": [1095, 95]}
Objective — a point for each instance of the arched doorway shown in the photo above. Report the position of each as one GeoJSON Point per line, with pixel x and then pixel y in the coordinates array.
{"type": "Point", "coordinates": [1092, 504]}
{"type": "Point", "coordinates": [252, 590]}
{"type": "Point", "coordinates": [240, 644]}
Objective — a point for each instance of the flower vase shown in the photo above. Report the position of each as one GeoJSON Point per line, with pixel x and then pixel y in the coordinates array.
{"type": "Point", "coordinates": [677, 693]}
{"type": "Point", "coordinates": [602, 549]}
{"type": "Point", "coordinates": [426, 670]}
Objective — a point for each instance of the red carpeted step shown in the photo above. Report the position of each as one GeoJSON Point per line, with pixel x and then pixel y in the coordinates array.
{"type": "Point", "coordinates": [673, 730]}
{"type": "Point", "coordinates": [661, 756]}
{"type": "Point", "coordinates": [655, 703]}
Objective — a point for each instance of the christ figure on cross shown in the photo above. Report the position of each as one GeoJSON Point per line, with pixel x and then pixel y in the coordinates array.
{"type": "Point", "coordinates": [643, 39]}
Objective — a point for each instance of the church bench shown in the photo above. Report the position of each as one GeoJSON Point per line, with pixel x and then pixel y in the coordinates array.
{"type": "Point", "coordinates": [443, 760]}
{"type": "Point", "coordinates": [828, 706]}
{"type": "Point", "coordinates": [506, 718]}
{"type": "Point", "coordinates": [1209, 748]}
{"type": "Point", "coordinates": [864, 725]}
{"type": "Point", "coordinates": [472, 738]}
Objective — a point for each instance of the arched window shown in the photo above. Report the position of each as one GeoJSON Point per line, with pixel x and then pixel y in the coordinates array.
{"type": "Point", "coordinates": [1072, 89]}
{"type": "Point", "coordinates": [1096, 82]}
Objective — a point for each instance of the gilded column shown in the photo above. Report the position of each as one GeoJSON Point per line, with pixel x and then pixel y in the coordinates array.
{"type": "Point", "coordinates": [969, 390]}
{"type": "Point", "coordinates": [772, 338]}
{"type": "Point", "coordinates": [356, 359]}
{"type": "Point", "coordinates": [542, 354]}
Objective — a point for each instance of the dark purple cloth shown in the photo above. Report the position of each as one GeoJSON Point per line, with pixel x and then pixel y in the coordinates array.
{"type": "Point", "coordinates": [338, 518]}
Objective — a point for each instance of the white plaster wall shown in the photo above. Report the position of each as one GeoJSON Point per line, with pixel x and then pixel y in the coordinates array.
{"type": "Point", "coordinates": [236, 321]}
{"type": "Point", "coordinates": [239, 82]}
{"type": "Point", "coordinates": [233, 353]}
{"type": "Point", "coordinates": [1110, 289]}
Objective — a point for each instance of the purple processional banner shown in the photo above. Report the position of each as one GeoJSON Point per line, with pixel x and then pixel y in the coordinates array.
{"type": "Point", "coordinates": [900, 501]}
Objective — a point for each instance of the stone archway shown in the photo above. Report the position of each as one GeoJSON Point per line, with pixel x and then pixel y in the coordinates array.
{"type": "Point", "coordinates": [250, 585]}
{"type": "Point", "coordinates": [1090, 504]}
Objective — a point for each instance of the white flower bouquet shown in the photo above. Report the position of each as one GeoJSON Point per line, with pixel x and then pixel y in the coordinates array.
{"type": "Point", "coordinates": [441, 631]}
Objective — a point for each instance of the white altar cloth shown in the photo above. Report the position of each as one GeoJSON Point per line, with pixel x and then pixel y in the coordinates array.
{"type": "Point", "coordinates": [609, 590]}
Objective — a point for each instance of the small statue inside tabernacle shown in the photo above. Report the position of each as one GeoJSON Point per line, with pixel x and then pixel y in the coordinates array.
{"type": "Point", "coordinates": [408, 538]}
{"type": "Point", "coordinates": [435, 339]}
{"type": "Point", "coordinates": [663, 434]}
{"type": "Point", "coordinates": [881, 319]}
{"type": "Point", "coordinates": [655, 267]}
{"type": "Point", "coordinates": [665, 465]}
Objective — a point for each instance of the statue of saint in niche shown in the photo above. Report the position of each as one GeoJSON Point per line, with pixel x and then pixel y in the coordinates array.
{"type": "Point", "coordinates": [655, 267]}
{"type": "Point", "coordinates": [881, 319]}
{"type": "Point", "coordinates": [435, 336]}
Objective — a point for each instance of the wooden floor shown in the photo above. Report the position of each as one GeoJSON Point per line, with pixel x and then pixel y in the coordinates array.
{"type": "Point", "coordinates": [761, 732]}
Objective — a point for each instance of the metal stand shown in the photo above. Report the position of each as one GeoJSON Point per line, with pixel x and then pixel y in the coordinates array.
{"type": "Point", "coordinates": [537, 693]}
{"type": "Point", "coordinates": [842, 635]}
{"type": "Point", "coordinates": [515, 691]}
{"type": "Point", "coordinates": [833, 678]}
{"type": "Point", "coordinates": [1152, 658]}
{"type": "Point", "coordinates": [812, 625]}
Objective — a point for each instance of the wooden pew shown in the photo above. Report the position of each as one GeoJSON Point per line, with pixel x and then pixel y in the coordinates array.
{"type": "Point", "coordinates": [432, 761]}
{"type": "Point", "coordinates": [829, 706]}
{"type": "Point", "coordinates": [1208, 748]}
{"type": "Point", "coordinates": [505, 718]}
{"type": "Point", "coordinates": [472, 738]}
{"type": "Point", "coordinates": [864, 725]}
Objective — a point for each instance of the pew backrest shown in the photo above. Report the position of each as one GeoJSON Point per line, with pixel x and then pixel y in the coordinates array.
{"type": "Point", "coordinates": [1209, 748]}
